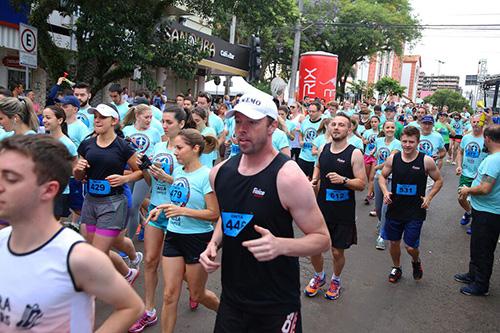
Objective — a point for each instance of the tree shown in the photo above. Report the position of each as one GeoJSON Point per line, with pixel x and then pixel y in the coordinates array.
{"type": "Point", "coordinates": [272, 21]}
{"type": "Point", "coordinates": [357, 29]}
{"type": "Point", "coordinates": [387, 86]}
{"type": "Point", "coordinates": [452, 98]}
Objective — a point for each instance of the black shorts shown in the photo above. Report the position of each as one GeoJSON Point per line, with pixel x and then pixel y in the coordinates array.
{"type": "Point", "coordinates": [307, 167]}
{"type": "Point", "coordinates": [188, 246]}
{"type": "Point", "coordinates": [231, 320]}
{"type": "Point", "coordinates": [343, 235]}
{"type": "Point", "coordinates": [61, 206]}
{"type": "Point", "coordinates": [447, 146]}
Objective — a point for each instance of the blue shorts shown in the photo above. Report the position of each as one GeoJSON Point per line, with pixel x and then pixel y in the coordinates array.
{"type": "Point", "coordinates": [393, 230]}
{"type": "Point", "coordinates": [161, 222]}
{"type": "Point", "coordinates": [76, 194]}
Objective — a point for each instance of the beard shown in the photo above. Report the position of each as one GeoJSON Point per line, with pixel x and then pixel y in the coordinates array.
{"type": "Point", "coordinates": [339, 137]}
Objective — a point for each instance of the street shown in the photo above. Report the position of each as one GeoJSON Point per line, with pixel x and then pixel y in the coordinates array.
{"type": "Point", "coordinates": [370, 303]}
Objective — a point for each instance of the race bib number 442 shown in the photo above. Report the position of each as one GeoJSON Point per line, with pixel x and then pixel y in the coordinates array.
{"type": "Point", "coordinates": [234, 223]}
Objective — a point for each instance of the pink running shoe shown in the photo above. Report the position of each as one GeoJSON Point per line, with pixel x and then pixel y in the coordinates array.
{"type": "Point", "coordinates": [143, 322]}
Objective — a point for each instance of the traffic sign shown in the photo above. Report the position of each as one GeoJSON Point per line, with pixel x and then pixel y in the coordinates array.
{"type": "Point", "coordinates": [28, 43]}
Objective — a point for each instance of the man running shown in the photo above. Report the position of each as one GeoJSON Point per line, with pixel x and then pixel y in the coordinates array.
{"type": "Point", "coordinates": [469, 156]}
{"type": "Point", "coordinates": [485, 201]}
{"type": "Point", "coordinates": [260, 192]}
{"type": "Point", "coordinates": [49, 274]}
{"type": "Point", "coordinates": [339, 172]}
{"type": "Point", "coordinates": [407, 200]}
{"type": "Point", "coordinates": [308, 132]}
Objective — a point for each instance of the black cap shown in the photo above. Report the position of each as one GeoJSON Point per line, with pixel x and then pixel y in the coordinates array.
{"type": "Point", "coordinates": [139, 100]}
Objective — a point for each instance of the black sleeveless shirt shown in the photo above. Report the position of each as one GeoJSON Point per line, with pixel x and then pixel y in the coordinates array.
{"type": "Point", "coordinates": [409, 181]}
{"type": "Point", "coordinates": [336, 201]}
{"type": "Point", "coordinates": [271, 287]}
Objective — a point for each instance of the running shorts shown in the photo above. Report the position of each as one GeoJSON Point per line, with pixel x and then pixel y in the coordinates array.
{"type": "Point", "coordinates": [394, 230]}
{"type": "Point", "coordinates": [161, 222]}
{"type": "Point", "coordinates": [188, 246]}
{"type": "Point", "coordinates": [465, 181]}
{"type": "Point", "coordinates": [343, 235]}
{"type": "Point", "coordinates": [105, 212]}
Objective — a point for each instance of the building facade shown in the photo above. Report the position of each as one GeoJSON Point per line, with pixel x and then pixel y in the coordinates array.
{"type": "Point", "coordinates": [428, 84]}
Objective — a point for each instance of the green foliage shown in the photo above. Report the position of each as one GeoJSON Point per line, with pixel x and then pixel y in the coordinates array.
{"type": "Point", "coordinates": [387, 86]}
{"type": "Point", "coordinates": [264, 86]}
{"type": "Point", "coordinates": [452, 98]}
{"type": "Point", "coordinates": [113, 38]}
{"type": "Point", "coordinates": [273, 21]}
{"type": "Point", "coordinates": [357, 29]}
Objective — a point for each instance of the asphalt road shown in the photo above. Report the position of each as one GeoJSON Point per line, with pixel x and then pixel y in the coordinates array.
{"type": "Point", "coordinates": [370, 303]}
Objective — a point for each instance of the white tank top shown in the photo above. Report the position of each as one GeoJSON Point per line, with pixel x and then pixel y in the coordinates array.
{"type": "Point", "coordinates": [37, 293]}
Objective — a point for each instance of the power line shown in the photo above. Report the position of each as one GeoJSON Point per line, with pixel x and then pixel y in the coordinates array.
{"type": "Point", "coordinates": [465, 27]}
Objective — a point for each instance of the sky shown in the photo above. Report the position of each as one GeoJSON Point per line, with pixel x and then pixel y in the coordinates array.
{"type": "Point", "coordinates": [459, 50]}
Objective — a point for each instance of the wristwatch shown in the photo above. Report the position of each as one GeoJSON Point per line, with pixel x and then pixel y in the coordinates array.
{"type": "Point", "coordinates": [345, 180]}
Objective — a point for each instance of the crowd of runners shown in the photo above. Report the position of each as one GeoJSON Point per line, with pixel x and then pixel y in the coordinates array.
{"type": "Point", "coordinates": [194, 176]}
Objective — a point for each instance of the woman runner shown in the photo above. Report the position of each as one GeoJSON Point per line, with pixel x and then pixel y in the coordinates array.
{"type": "Point", "coordinates": [102, 163]}
{"type": "Point", "coordinates": [192, 211]}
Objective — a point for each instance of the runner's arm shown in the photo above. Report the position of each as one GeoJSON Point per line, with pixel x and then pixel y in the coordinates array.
{"type": "Point", "coordinates": [211, 213]}
{"type": "Point", "coordinates": [386, 172]}
{"type": "Point", "coordinates": [433, 171]}
{"type": "Point", "coordinates": [485, 187]}
{"type": "Point", "coordinates": [358, 183]}
{"type": "Point", "coordinates": [305, 212]}
{"type": "Point", "coordinates": [441, 153]}
{"type": "Point", "coordinates": [460, 154]}
{"type": "Point", "coordinates": [94, 273]}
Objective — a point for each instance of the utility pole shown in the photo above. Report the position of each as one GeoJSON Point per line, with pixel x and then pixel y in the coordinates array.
{"type": "Point", "coordinates": [296, 53]}
{"type": "Point", "coordinates": [232, 37]}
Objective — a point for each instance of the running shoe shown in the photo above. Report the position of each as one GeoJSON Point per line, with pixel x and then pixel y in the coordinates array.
{"type": "Point", "coordinates": [463, 278]}
{"type": "Point", "coordinates": [473, 290]}
{"type": "Point", "coordinates": [417, 270]}
{"type": "Point", "coordinates": [373, 213]}
{"type": "Point", "coordinates": [192, 304]}
{"type": "Point", "coordinates": [380, 244]}
{"type": "Point", "coordinates": [334, 291]}
{"type": "Point", "coordinates": [143, 322]}
{"type": "Point", "coordinates": [465, 219]}
{"type": "Point", "coordinates": [138, 260]}
{"type": "Point", "coordinates": [453, 163]}
{"type": "Point", "coordinates": [469, 231]}
{"type": "Point", "coordinates": [124, 257]}
{"type": "Point", "coordinates": [132, 275]}
{"type": "Point", "coordinates": [395, 275]}
{"type": "Point", "coordinates": [314, 285]}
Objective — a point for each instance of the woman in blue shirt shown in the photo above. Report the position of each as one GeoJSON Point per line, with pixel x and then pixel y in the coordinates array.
{"type": "Point", "coordinates": [17, 116]}
{"type": "Point", "coordinates": [54, 121]}
{"type": "Point", "coordinates": [210, 153]}
{"type": "Point", "coordinates": [192, 212]}
{"type": "Point", "coordinates": [143, 138]}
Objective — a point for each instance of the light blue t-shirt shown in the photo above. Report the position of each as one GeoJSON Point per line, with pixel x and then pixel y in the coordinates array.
{"type": "Point", "coordinates": [229, 126]}
{"type": "Point", "coordinates": [491, 202]}
{"type": "Point", "coordinates": [216, 123]}
{"type": "Point", "coordinates": [473, 154]}
{"type": "Point", "coordinates": [431, 144]}
{"type": "Point", "coordinates": [208, 159]}
{"type": "Point", "coordinates": [458, 126]}
{"type": "Point", "coordinates": [144, 141]}
{"type": "Point", "coordinates": [280, 140]}
{"type": "Point", "coordinates": [356, 142]}
{"type": "Point", "coordinates": [309, 132]}
{"type": "Point", "coordinates": [77, 132]}
{"type": "Point", "coordinates": [414, 124]}
{"type": "Point", "coordinates": [156, 124]}
{"type": "Point", "coordinates": [72, 152]}
{"type": "Point", "coordinates": [5, 135]}
{"type": "Point", "coordinates": [382, 117]}
{"type": "Point", "coordinates": [86, 118]}
{"type": "Point", "coordinates": [122, 109]}
{"type": "Point", "coordinates": [160, 190]}
{"type": "Point", "coordinates": [370, 136]}
{"type": "Point", "coordinates": [360, 129]}
{"type": "Point", "coordinates": [157, 114]}
{"type": "Point", "coordinates": [349, 112]}
{"type": "Point", "coordinates": [383, 151]}
{"type": "Point", "coordinates": [189, 190]}
{"type": "Point", "coordinates": [319, 142]}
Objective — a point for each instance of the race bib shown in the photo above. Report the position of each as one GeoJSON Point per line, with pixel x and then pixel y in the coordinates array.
{"type": "Point", "coordinates": [406, 189]}
{"type": "Point", "coordinates": [307, 145]}
{"type": "Point", "coordinates": [233, 223]}
{"type": "Point", "coordinates": [337, 195]}
{"type": "Point", "coordinates": [99, 187]}
{"type": "Point", "coordinates": [178, 194]}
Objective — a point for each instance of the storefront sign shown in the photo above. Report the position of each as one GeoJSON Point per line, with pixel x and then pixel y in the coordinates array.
{"type": "Point", "coordinates": [11, 61]}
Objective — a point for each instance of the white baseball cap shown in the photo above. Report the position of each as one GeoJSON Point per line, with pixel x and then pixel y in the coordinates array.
{"type": "Point", "coordinates": [106, 110]}
{"type": "Point", "coordinates": [255, 106]}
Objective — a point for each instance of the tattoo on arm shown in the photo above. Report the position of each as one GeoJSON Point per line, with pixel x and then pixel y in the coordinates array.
{"type": "Point", "coordinates": [487, 179]}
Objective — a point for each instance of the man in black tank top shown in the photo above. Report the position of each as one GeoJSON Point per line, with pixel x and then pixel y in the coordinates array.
{"type": "Point", "coordinates": [260, 192]}
{"type": "Point", "coordinates": [339, 172]}
{"type": "Point", "coordinates": [407, 200]}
